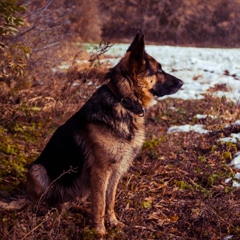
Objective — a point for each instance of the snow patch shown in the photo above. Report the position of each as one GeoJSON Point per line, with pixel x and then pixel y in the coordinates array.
{"type": "Point", "coordinates": [198, 128]}
{"type": "Point", "coordinates": [199, 68]}
{"type": "Point", "coordinates": [235, 182]}
{"type": "Point", "coordinates": [90, 83]}
{"type": "Point", "coordinates": [236, 161]}
{"type": "Point", "coordinates": [237, 123]}
{"type": "Point", "coordinates": [204, 116]}
{"type": "Point", "coordinates": [234, 138]}
{"type": "Point", "coordinates": [228, 237]}
{"type": "Point", "coordinates": [235, 164]}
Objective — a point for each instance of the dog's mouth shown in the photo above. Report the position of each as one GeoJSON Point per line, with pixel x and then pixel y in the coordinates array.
{"type": "Point", "coordinates": [175, 87]}
{"type": "Point", "coordinates": [161, 90]}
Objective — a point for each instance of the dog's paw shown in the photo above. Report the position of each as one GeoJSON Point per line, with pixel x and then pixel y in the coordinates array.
{"type": "Point", "coordinates": [101, 231]}
{"type": "Point", "coordinates": [115, 223]}
{"type": "Point", "coordinates": [120, 224]}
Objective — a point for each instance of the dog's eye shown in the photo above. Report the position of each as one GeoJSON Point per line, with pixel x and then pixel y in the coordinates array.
{"type": "Point", "coordinates": [160, 71]}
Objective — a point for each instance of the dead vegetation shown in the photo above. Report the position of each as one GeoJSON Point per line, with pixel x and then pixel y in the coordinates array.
{"type": "Point", "coordinates": [175, 189]}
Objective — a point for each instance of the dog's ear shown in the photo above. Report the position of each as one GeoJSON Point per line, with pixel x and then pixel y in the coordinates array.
{"type": "Point", "coordinates": [134, 43]}
{"type": "Point", "coordinates": [137, 49]}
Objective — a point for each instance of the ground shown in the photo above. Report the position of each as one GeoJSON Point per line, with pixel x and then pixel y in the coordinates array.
{"type": "Point", "coordinates": [176, 187]}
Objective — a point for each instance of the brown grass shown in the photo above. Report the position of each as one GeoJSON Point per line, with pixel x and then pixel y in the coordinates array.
{"type": "Point", "coordinates": [175, 189]}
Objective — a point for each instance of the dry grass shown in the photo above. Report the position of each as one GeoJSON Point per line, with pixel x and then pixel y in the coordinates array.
{"type": "Point", "coordinates": [175, 190]}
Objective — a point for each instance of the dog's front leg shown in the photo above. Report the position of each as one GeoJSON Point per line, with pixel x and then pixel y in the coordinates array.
{"type": "Point", "coordinates": [110, 200]}
{"type": "Point", "coordinates": [99, 181]}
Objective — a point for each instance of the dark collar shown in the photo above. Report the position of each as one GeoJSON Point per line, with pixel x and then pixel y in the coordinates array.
{"type": "Point", "coordinates": [128, 103]}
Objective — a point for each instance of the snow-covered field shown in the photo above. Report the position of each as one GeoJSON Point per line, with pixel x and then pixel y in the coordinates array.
{"type": "Point", "coordinates": [199, 68]}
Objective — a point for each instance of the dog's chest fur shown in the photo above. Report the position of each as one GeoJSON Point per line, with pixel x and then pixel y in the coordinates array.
{"type": "Point", "coordinates": [112, 151]}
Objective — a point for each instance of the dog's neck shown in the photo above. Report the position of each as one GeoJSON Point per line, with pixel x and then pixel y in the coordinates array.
{"type": "Point", "coordinates": [127, 102]}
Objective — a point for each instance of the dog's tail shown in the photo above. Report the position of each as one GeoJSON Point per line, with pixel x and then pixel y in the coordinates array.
{"type": "Point", "coordinates": [14, 202]}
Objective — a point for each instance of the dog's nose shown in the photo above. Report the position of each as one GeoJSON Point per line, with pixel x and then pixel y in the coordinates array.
{"type": "Point", "coordinates": [178, 82]}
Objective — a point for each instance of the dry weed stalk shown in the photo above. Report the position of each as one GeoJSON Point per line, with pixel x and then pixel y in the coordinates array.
{"type": "Point", "coordinates": [39, 202]}
{"type": "Point", "coordinates": [103, 47]}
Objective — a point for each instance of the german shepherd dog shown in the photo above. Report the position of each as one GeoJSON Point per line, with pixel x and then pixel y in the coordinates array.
{"type": "Point", "coordinates": [88, 154]}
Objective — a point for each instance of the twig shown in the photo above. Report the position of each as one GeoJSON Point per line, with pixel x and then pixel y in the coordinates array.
{"type": "Point", "coordinates": [101, 49]}
{"type": "Point", "coordinates": [34, 229]}
{"type": "Point", "coordinates": [40, 200]}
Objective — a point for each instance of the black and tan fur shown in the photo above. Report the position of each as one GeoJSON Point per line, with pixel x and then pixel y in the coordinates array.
{"type": "Point", "coordinates": [100, 141]}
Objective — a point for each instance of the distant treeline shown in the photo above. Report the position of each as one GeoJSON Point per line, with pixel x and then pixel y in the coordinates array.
{"type": "Point", "coordinates": [176, 22]}
{"type": "Point", "coordinates": [195, 22]}
{"type": "Point", "coordinates": [181, 22]}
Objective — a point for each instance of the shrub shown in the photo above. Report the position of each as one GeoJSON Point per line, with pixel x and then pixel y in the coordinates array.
{"type": "Point", "coordinates": [13, 55]}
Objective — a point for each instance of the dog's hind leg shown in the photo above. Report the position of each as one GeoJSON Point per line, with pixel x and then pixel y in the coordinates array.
{"type": "Point", "coordinates": [110, 199]}
{"type": "Point", "coordinates": [37, 181]}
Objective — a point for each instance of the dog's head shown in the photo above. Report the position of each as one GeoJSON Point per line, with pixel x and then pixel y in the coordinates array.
{"type": "Point", "coordinates": [147, 74]}
{"type": "Point", "coordinates": [140, 77]}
